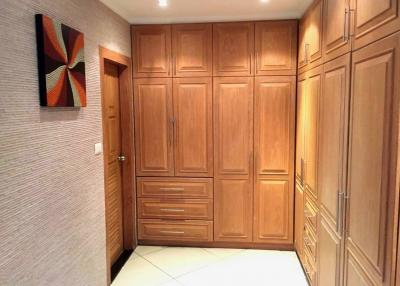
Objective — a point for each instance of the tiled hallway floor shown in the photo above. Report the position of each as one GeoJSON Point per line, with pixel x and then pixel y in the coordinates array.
{"type": "Point", "coordinates": [177, 266]}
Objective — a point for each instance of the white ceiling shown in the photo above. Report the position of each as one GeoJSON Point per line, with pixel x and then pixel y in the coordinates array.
{"type": "Point", "coordinates": [185, 11]}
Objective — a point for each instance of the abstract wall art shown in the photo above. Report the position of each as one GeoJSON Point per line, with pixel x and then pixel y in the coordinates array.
{"type": "Point", "coordinates": [61, 64]}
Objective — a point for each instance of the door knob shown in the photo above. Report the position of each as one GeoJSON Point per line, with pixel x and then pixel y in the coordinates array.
{"type": "Point", "coordinates": [121, 158]}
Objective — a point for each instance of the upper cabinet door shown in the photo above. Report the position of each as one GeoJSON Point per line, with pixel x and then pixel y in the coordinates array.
{"type": "Point", "coordinates": [193, 127]}
{"type": "Point", "coordinates": [336, 36]}
{"type": "Point", "coordinates": [151, 47]}
{"type": "Point", "coordinates": [154, 127]}
{"type": "Point", "coordinates": [233, 49]}
{"type": "Point", "coordinates": [276, 48]}
{"type": "Point", "coordinates": [233, 127]}
{"type": "Point", "coordinates": [302, 61]}
{"type": "Point", "coordinates": [274, 125]}
{"type": "Point", "coordinates": [374, 20]}
{"type": "Point", "coordinates": [192, 50]}
{"type": "Point", "coordinates": [373, 181]}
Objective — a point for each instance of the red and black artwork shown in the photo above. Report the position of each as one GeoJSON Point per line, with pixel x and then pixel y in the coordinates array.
{"type": "Point", "coordinates": [61, 64]}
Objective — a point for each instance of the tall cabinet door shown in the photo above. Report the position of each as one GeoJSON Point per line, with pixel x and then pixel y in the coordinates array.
{"type": "Point", "coordinates": [336, 26]}
{"type": "Point", "coordinates": [311, 127]}
{"type": "Point", "coordinates": [274, 130]}
{"type": "Point", "coordinates": [192, 50]}
{"type": "Point", "coordinates": [233, 49]}
{"type": "Point", "coordinates": [154, 127]}
{"type": "Point", "coordinates": [373, 181]}
{"type": "Point", "coordinates": [276, 48]}
{"type": "Point", "coordinates": [300, 128]}
{"type": "Point", "coordinates": [332, 158]}
{"type": "Point", "coordinates": [373, 20]}
{"type": "Point", "coordinates": [233, 159]}
{"type": "Point", "coordinates": [193, 127]}
{"type": "Point", "coordinates": [151, 46]}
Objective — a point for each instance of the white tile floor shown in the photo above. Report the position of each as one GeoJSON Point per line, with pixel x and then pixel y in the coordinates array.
{"type": "Point", "coordinates": [184, 266]}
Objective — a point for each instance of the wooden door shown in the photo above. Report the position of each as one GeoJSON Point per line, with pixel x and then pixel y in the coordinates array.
{"type": "Point", "coordinates": [193, 127]}
{"type": "Point", "coordinates": [373, 181]}
{"type": "Point", "coordinates": [274, 125]}
{"type": "Point", "coordinates": [374, 20]}
{"type": "Point", "coordinates": [233, 49]}
{"type": "Point", "coordinates": [299, 221]}
{"type": "Point", "coordinates": [311, 129]}
{"type": "Point", "coordinates": [233, 158]}
{"type": "Point", "coordinates": [154, 127]}
{"type": "Point", "coordinates": [332, 159]}
{"type": "Point", "coordinates": [151, 46]}
{"type": "Point", "coordinates": [336, 25]}
{"type": "Point", "coordinates": [300, 127]}
{"type": "Point", "coordinates": [274, 131]}
{"type": "Point", "coordinates": [112, 150]}
{"type": "Point", "coordinates": [276, 48]}
{"type": "Point", "coordinates": [192, 50]}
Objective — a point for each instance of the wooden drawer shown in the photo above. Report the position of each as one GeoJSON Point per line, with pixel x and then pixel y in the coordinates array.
{"type": "Point", "coordinates": [310, 242]}
{"type": "Point", "coordinates": [309, 268]}
{"type": "Point", "coordinates": [310, 212]}
{"type": "Point", "coordinates": [175, 230]}
{"type": "Point", "coordinates": [175, 187]}
{"type": "Point", "coordinates": [175, 208]}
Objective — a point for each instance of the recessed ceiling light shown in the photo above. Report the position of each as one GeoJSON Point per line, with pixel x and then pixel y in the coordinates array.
{"type": "Point", "coordinates": [162, 3]}
{"type": "Point", "coordinates": [264, 1]}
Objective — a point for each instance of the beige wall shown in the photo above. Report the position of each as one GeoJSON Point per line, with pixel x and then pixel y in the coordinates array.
{"type": "Point", "coordinates": [52, 228]}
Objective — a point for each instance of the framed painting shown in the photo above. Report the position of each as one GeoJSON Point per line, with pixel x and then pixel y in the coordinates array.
{"type": "Point", "coordinates": [61, 63]}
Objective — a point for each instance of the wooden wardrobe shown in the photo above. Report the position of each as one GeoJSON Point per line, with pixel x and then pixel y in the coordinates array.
{"type": "Point", "coordinates": [215, 133]}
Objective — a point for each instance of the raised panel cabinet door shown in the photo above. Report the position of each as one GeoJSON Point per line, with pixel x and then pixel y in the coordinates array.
{"type": "Point", "coordinates": [374, 20]}
{"type": "Point", "coordinates": [154, 127]}
{"type": "Point", "coordinates": [233, 210]}
{"type": "Point", "coordinates": [274, 125]}
{"type": "Point", "coordinates": [192, 50]}
{"type": "Point", "coordinates": [273, 211]}
{"type": "Point", "coordinates": [151, 48]}
{"type": "Point", "coordinates": [233, 127]}
{"type": "Point", "coordinates": [336, 27]}
{"type": "Point", "coordinates": [193, 127]}
{"type": "Point", "coordinates": [302, 61]}
{"type": "Point", "coordinates": [233, 46]}
{"type": "Point", "coordinates": [299, 220]}
{"type": "Point", "coordinates": [300, 127]}
{"type": "Point", "coordinates": [372, 208]}
{"type": "Point", "coordinates": [311, 129]}
{"type": "Point", "coordinates": [276, 48]}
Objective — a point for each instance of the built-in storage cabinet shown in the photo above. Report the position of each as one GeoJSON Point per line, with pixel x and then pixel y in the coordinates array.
{"type": "Point", "coordinates": [336, 28]}
{"type": "Point", "coordinates": [311, 37]}
{"type": "Point", "coordinates": [372, 168]}
{"type": "Point", "coordinates": [154, 127]}
{"type": "Point", "coordinates": [233, 147]}
{"type": "Point", "coordinates": [274, 126]}
{"type": "Point", "coordinates": [332, 160]}
{"type": "Point", "coordinates": [299, 220]}
{"type": "Point", "coordinates": [151, 48]}
{"type": "Point", "coordinates": [233, 49]}
{"type": "Point", "coordinates": [192, 50]}
{"type": "Point", "coordinates": [373, 20]}
{"type": "Point", "coordinates": [193, 127]}
{"type": "Point", "coordinates": [276, 48]}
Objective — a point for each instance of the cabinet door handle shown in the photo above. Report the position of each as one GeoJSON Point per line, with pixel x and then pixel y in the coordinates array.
{"type": "Point", "coordinates": [171, 232]}
{"type": "Point", "coordinates": [171, 137]}
{"type": "Point", "coordinates": [302, 171]}
{"type": "Point", "coordinates": [345, 35]}
{"type": "Point", "coordinates": [339, 211]}
{"type": "Point", "coordinates": [173, 210]}
{"type": "Point", "coordinates": [172, 189]}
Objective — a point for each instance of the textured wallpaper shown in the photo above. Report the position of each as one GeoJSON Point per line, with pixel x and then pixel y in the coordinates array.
{"type": "Point", "coordinates": [52, 229]}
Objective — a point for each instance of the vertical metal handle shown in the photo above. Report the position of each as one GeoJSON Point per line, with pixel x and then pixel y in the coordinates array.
{"type": "Point", "coordinates": [171, 136]}
{"type": "Point", "coordinates": [169, 64]}
{"type": "Point", "coordinates": [339, 212]}
{"type": "Point", "coordinates": [345, 30]}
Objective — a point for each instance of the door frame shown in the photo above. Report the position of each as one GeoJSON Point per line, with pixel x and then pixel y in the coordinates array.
{"type": "Point", "coordinates": [127, 144]}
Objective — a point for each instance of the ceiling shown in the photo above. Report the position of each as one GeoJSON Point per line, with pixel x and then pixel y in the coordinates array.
{"type": "Point", "coordinates": [185, 11]}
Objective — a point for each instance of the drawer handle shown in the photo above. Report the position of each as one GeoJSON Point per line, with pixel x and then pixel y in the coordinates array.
{"type": "Point", "coordinates": [173, 210]}
{"type": "Point", "coordinates": [308, 214]}
{"type": "Point", "coordinates": [172, 232]}
{"type": "Point", "coordinates": [173, 189]}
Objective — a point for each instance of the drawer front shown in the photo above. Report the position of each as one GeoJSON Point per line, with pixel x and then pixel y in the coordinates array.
{"type": "Point", "coordinates": [309, 268]}
{"type": "Point", "coordinates": [310, 213]}
{"type": "Point", "coordinates": [175, 188]}
{"type": "Point", "coordinates": [310, 243]}
{"type": "Point", "coordinates": [175, 230]}
{"type": "Point", "coordinates": [176, 209]}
